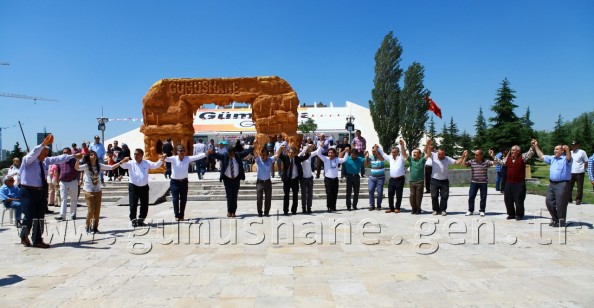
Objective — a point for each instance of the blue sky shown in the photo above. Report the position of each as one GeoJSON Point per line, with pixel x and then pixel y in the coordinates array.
{"type": "Point", "coordinates": [90, 55]}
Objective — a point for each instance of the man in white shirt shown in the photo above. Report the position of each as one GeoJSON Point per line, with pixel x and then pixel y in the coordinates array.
{"type": "Point", "coordinates": [330, 174]}
{"type": "Point", "coordinates": [578, 171]}
{"type": "Point", "coordinates": [138, 187]}
{"type": "Point", "coordinates": [396, 158]}
{"type": "Point", "coordinates": [306, 182]}
{"type": "Point", "coordinates": [440, 184]}
{"type": "Point", "coordinates": [178, 185]}
{"type": "Point", "coordinates": [277, 145]}
{"type": "Point", "coordinates": [200, 147]}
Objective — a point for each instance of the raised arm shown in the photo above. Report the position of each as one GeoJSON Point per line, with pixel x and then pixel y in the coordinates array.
{"type": "Point", "coordinates": [462, 159]}
{"type": "Point", "coordinates": [213, 154]}
{"type": "Point", "coordinates": [32, 156]}
{"type": "Point", "coordinates": [567, 153]}
{"type": "Point", "coordinates": [428, 149]}
{"type": "Point", "coordinates": [309, 148]}
{"type": "Point", "coordinates": [243, 154]}
{"type": "Point", "coordinates": [537, 149]}
{"type": "Point", "coordinates": [196, 157]}
{"type": "Point", "coordinates": [381, 152]}
{"type": "Point", "coordinates": [403, 150]}
{"type": "Point", "coordinates": [153, 165]}
{"type": "Point", "coordinates": [280, 151]}
{"type": "Point", "coordinates": [319, 154]}
{"type": "Point", "coordinates": [341, 154]}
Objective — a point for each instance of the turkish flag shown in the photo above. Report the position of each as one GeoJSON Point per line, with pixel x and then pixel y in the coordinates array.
{"type": "Point", "coordinates": [433, 107]}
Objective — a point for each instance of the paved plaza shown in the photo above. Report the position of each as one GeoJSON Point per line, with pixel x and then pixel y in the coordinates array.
{"type": "Point", "coordinates": [342, 259]}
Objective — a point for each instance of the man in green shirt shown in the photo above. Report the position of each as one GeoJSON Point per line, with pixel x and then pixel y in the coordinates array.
{"type": "Point", "coordinates": [353, 166]}
{"type": "Point", "coordinates": [417, 175]}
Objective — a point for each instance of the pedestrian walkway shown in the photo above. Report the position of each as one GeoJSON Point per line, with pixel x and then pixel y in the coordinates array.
{"type": "Point", "coordinates": [347, 259]}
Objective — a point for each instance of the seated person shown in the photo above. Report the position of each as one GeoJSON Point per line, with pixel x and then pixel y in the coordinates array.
{"type": "Point", "coordinates": [9, 195]}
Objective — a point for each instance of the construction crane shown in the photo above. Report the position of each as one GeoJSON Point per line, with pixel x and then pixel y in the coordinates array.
{"type": "Point", "coordinates": [34, 98]}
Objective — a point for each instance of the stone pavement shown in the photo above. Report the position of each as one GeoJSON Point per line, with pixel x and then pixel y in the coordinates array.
{"type": "Point", "coordinates": [389, 259]}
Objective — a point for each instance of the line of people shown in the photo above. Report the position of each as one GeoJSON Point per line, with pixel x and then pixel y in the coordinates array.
{"type": "Point", "coordinates": [30, 195]}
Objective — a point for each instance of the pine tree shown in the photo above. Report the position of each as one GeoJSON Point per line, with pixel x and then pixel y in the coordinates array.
{"type": "Point", "coordinates": [431, 132]}
{"type": "Point", "coordinates": [559, 134]}
{"type": "Point", "coordinates": [465, 141]}
{"type": "Point", "coordinates": [527, 124]}
{"type": "Point", "coordinates": [480, 137]}
{"type": "Point", "coordinates": [413, 106]}
{"type": "Point", "coordinates": [455, 138]}
{"type": "Point", "coordinates": [586, 141]}
{"type": "Point", "coordinates": [506, 128]}
{"type": "Point", "coordinates": [385, 104]}
{"type": "Point", "coordinates": [447, 144]}
{"type": "Point", "coordinates": [16, 152]}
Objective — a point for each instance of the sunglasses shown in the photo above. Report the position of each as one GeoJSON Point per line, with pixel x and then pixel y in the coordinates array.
{"type": "Point", "coordinates": [137, 154]}
{"type": "Point", "coordinates": [181, 151]}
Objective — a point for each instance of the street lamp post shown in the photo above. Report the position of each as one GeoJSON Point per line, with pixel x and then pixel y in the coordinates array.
{"type": "Point", "coordinates": [350, 127]}
{"type": "Point", "coordinates": [101, 127]}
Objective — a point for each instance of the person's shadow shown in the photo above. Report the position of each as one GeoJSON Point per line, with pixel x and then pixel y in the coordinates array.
{"type": "Point", "coordinates": [10, 279]}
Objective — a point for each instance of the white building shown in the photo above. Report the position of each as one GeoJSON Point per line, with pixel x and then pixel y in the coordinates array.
{"type": "Point", "coordinates": [231, 123]}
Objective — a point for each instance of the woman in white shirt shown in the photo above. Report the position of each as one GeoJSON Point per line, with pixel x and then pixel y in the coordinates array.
{"type": "Point", "coordinates": [92, 187]}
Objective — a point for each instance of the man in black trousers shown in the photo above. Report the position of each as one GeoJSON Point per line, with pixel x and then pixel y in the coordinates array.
{"type": "Point", "coordinates": [292, 173]}
{"type": "Point", "coordinates": [231, 174]}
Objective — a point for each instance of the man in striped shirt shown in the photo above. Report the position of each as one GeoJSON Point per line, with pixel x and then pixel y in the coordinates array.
{"type": "Point", "coordinates": [478, 179]}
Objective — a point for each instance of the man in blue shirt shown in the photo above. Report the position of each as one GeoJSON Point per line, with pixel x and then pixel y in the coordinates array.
{"type": "Point", "coordinates": [265, 165]}
{"type": "Point", "coordinates": [560, 174]}
{"type": "Point", "coordinates": [353, 180]}
{"type": "Point", "coordinates": [9, 195]}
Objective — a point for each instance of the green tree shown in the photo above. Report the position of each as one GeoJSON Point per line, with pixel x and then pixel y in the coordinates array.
{"type": "Point", "coordinates": [544, 139]}
{"type": "Point", "coordinates": [16, 152]}
{"type": "Point", "coordinates": [465, 141]}
{"type": "Point", "coordinates": [559, 134]}
{"type": "Point", "coordinates": [431, 132]}
{"type": "Point", "coordinates": [480, 126]}
{"type": "Point", "coordinates": [385, 104]}
{"type": "Point", "coordinates": [308, 126]}
{"type": "Point", "coordinates": [455, 138]}
{"type": "Point", "coordinates": [586, 140]}
{"type": "Point", "coordinates": [527, 124]}
{"type": "Point", "coordinates": [447, 142]}
{"type": "Point", "coordinates": [414, 106]}
{"type": "Point", "coordinates": [506, 128]}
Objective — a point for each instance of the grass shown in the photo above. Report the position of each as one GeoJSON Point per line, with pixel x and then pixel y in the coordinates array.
{"type": "Point", "coordinates": [540, 171]}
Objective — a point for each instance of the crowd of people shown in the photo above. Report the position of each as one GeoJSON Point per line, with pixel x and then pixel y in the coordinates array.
{"type": "Point", "coordinates": [34, 183]}
{"type": "Point", "coordinates": [39, 181]}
